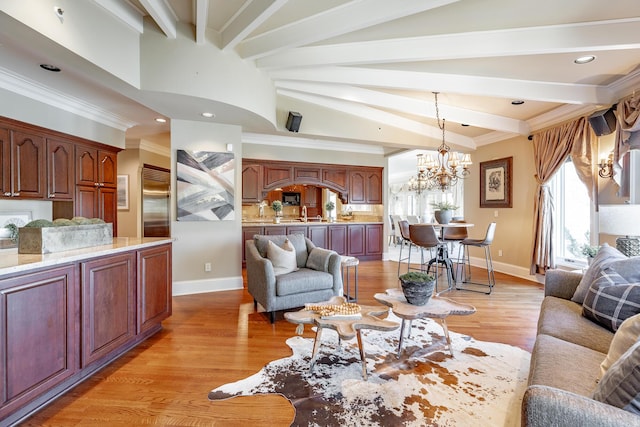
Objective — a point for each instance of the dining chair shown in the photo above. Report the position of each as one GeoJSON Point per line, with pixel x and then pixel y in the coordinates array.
{"type": "Point", "coordinates": [425, 237]}
{"type": "Point", "coordinates": [465, 264]}
{"type": "Point", "coordinates": [405, 239]}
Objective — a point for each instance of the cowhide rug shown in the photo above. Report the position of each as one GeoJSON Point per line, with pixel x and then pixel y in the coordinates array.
{"type": "Point", "coordinates": [482, 386]}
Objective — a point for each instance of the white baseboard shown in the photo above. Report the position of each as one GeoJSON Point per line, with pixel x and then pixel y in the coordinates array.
{"type": "Point", "coordinates": [189, 287]}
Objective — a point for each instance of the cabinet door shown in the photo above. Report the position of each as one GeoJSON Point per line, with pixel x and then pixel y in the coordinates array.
{"type": "Point", "coordinates": [357, 185]}
{"type": "Point", "coordinates": [38, 334]}
{"type": "Point", "coordinates": [251, 184]}
{"type": "Point", "coordinates": [373, 238]}
{"type": "Point", "coordinates": [107, 169]}
{"type": "Point", "coordinates": [60, 170]}
{"type": "Point", "coordinates": [86, 166]}
{"type": "Point", "coordinates": [5, 163]}
{"type": "Point", "coordinates": [86, 203]}
{"type": "Point", "coordinates": [108, 206]}
{"type": "Point", "coordinates": [108, 289]}
{"type": "Point", "coordinates": [297, 229]}
{"type": "Point", "coordinates": [307, 174]}
{"type": "Point", "coordinates": [311, 197]}
{"type": "Point", "coordinates": [356, 240]}
{"type": "Point", "coordinates": [154, 286]}
{"type": "Point", "coordinates": [28, 155]}
{"type": "Point", "coordinates": [275, 230]}
{"type": "Point", "coordinates": [338, 238]}
{"type": "Point", "coordinates": [319, 235]}
{"type": "Point", "coordinates": [373, 188]}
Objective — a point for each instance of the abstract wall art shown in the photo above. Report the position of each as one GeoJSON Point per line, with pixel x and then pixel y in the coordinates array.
{"type": "Point", "coordinates": [205, 186]}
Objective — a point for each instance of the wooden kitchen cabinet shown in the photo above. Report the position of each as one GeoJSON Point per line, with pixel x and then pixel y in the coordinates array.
{"type": "Point", "coordinates": [338, 238]}
{"type": "Point", "coordinates": [38, 333]}
{"type": "Point", "coordinates": [365, 187]}
{"type": "Point", "coordinates": [97, 202]}
{"type": "Point", "coordinates": [251, 183]}
{"type": "Point", "coordinates": [154, 286]}
{"type": "Point", "coordinates": [96, 184]}
{"type": "Point", "coordinates": [23, 165]}
{"type": "Point", "coordinates": [60, 170]}
{"type": "Point", "coordinates": [276, 176]}
{"type": "Point", "coordinates": [108, 288]}
{"type": "Point", "coordinates": [373, 240]}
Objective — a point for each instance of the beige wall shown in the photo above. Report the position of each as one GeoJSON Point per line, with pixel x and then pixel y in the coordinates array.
{"type": "Point", "coordinates": [199, 242]}
{"type": "Point", "coordinates": [514, 225]}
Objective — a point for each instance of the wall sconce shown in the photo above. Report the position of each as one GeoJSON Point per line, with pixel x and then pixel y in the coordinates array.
{"type": "Point", "coordinates": [606, 167]}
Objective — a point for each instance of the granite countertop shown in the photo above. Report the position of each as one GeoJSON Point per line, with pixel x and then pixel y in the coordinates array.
{"type": "Point", "coordinates": [11, 261]}
{"type": "Point", "coordinates": [269, 222]}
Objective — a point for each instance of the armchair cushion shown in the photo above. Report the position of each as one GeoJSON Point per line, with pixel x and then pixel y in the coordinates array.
{"type": "Point", "coordinates": [302, 281]}
{"type": "Point", "coordinates": [283, 258]}
{"type": "Point", "coordinates": [319, 259]}
{"type": "Point", "coordinates": [297, 240]}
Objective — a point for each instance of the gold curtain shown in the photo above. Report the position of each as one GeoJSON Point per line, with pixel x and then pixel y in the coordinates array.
{"type": "Point", "coordinates": [551, 148]}
{"type": "Point", "coordinates": [627, 131]}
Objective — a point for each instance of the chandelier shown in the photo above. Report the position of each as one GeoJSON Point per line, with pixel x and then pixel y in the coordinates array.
{"type": "Point", "coordinates": [444, 171]}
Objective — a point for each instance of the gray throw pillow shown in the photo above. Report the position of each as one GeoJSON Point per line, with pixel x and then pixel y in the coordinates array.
{"type": "Point", "coordinates": [620, 385]}
{"type": "Point", "coordinates": [611, 299]}
{"type": "Point", "coordinates": [606, 254]}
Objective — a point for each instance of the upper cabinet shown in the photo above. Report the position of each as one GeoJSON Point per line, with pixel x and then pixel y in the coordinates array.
{"type": "Point", "coordinates": [97, 168]}
{"type": "Point", "coordinates": [60, 170]}
{"type": "Point", "coordinates": [354, 184]}
{"type": "Point", "coordinates": [23, 164]}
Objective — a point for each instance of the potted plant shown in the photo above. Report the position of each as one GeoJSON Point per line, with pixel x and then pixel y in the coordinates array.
{"type": "Point", "coordinates": [329, 206]}
{"type": "Point", "coordinates": [589, 252]}
{"type": "Point", "coordinates": [443, 211]}
{"type": "Point", "coordinates": [417, 287]}
{"type": "Point", "coordinates": [276, 205]}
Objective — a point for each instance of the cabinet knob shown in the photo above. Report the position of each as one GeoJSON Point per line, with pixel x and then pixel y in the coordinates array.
{"type": "Point", "coordinates": [96, 184]}
{"type": "Point", "coordinates": [51, 195]}
{"type": "Point", "coordinates": [15, 194]}
{"type": "Point", "coordinates": [7, 194]}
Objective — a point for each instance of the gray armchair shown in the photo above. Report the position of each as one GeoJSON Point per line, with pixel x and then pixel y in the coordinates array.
{"type": "Point", "coordinates": [317, 279]}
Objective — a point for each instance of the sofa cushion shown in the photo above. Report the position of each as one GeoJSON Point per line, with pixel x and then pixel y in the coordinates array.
{"type": "Point", "coordinates": [620, 385]}
{"type": "Point", "coordinates": [606, 254]}
{"type": "Point", "coordinates": [626, 335]}
{"type": "Point", "coordinates": [283, 258]}
{"type": "Point", "coordinates": [564, 365]}
{"type": "Point", "coordinates": [563, 319]}
{"type": "Point", "coordinates": [611, 300]}
{"type": "Point", "coordinates": [303, 280]}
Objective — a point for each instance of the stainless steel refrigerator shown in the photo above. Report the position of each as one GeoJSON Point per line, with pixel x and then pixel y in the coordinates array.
{"type": "Point", "coordinates": [156, 189]}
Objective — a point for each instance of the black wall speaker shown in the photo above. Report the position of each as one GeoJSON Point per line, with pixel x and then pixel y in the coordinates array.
{"type": "Point", "coordinates": [293, 121]}
{"type": "Point", "coordinates": [603, 122]}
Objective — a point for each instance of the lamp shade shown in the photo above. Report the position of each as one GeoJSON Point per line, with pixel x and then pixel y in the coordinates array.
{"type": "Point", "coordinates": [619, 220]}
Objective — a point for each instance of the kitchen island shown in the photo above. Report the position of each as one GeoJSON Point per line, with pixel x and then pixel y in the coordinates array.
{"type": "Point", "coordinates": [360, 239]}
{"type": "Point", "coordinates": [65, 315]}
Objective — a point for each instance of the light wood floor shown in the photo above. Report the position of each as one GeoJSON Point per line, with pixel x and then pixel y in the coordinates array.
{"type": "Point", "coordinates": [216, 338]}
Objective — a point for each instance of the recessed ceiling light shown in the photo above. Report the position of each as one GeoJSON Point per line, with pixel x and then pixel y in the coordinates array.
{"type": "Point", "coordinates": [517, 102]}
{"type": "Point", "coordinates": [584, 59]}
{"type": "Point", "coordinates": [161, 120]}
{"type": "Point", "coordinates": [50, 67]}
{"type": "Point", "coordinates": [208, 115]}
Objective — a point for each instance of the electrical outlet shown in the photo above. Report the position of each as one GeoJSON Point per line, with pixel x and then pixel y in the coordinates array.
{"type": "Point", "coordinates": [499, 252]}
{"type": "Point", "coordinates": [495, 214]}
{"type": "Point", "coordinates": [207, 266]}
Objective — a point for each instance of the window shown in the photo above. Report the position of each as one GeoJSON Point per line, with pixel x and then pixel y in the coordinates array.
{"type": "Point", "coordinates": [572, 216]}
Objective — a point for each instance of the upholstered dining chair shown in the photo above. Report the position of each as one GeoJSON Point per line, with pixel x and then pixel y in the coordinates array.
{"type": "Point", "coordinates": [464, 262]}
{"type": "Point", "coordinates": [425, 237]}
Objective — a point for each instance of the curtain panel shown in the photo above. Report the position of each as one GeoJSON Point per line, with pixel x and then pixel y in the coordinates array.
{"type": "Point", "coordinates": [627, 132]}
{"type": "Point", "coordinates": [551, 148]}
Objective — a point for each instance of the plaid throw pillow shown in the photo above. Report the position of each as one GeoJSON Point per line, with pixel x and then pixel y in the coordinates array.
{"type": "Point", "coordinates": [611, 299]}
{"type": "Point", "coordinates": [620, 385]}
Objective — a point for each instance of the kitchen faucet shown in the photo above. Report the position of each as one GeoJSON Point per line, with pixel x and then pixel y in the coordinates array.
{"type": "Point", "coordinates": [304, 213]}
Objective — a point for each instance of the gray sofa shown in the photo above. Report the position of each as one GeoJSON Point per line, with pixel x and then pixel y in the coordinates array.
{"type": "Point", "coordinates": [565, 364]}
{"type": "Point", "coordinates": [317, 279]}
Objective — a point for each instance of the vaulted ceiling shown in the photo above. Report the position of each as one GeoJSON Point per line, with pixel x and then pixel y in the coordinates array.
{"type": "Point", "coordinates": [378, 62]}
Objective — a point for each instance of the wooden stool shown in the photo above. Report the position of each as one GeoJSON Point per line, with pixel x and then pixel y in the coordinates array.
{"type": "Point", "coordinates": [346, 262]}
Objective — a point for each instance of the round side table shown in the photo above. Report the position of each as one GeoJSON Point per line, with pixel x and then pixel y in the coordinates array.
{"type": "Point", "coordinates": [346, 262]}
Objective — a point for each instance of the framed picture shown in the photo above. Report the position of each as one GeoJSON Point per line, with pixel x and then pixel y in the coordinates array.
{"type": "Point", "coordinates": [496, 186]}
{"type": "Point", "coordinates": [205, 185]}
{"type": "Point", "coordinates": [123, 192]}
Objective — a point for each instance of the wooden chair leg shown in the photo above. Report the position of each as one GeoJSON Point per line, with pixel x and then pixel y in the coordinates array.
{"type": "Point", "coordinates": [272, 317]}
{"type": "Point", "coordinates": [255, 304]}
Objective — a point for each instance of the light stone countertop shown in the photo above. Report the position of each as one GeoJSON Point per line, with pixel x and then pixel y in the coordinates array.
{"type": "Point", "coordinates": [13, 262]}
{"type": "Point", "coordinates": [296, 222]}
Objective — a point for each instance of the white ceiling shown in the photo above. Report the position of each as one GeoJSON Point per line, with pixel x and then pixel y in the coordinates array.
{"type": "Point", "coordinates": [379, 61]}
